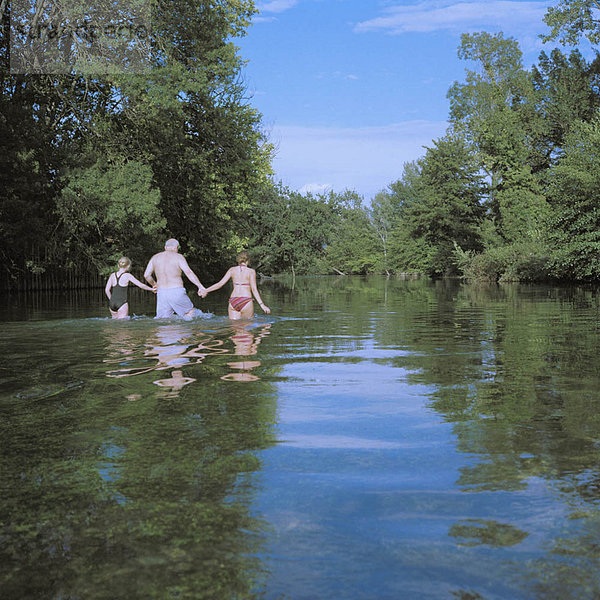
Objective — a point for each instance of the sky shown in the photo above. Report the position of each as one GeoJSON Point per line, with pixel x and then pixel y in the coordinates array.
{"type": "Point", "coordinates": [351, 90]}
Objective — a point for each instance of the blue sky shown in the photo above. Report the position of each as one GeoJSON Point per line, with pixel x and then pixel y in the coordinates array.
{"type": "Point", "coordinates": [351, 90]}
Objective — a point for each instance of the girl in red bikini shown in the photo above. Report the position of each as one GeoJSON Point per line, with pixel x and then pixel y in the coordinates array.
{"type": "Point", "coordinates": [240, 305]}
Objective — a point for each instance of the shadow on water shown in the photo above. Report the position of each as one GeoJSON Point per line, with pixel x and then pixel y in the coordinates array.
{"type": "Point", "coordinates": [375, 439]}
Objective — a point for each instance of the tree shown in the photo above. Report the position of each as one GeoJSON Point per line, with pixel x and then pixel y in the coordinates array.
{"type": "Point", "coordinates": [571, 20]}
{"type": "Point", "coordinates": [444, 207]}
{"type": "Point", "coordinates": [568, 92]}
{"type": "Point", "coordinates": [184, 121]}
{"type": "Point", "coordinates": [30, 159]}
{"type": "Point", "coordinates": [495, 110]}
{"type": "Point", "coordinates": [353, 247]}
{"type": "Point", "coordinates": [383, 215]}
{"type": "Point", "coordinates": [208, 164]}
{"type": "Point", "coordinates": [408, 251]}
{"type": "Point", "coordinates": [575, 231]}
{"type": "Point", "coordinates": [290, 231]}
{"type": "Point", "coordinates": [107, 210]}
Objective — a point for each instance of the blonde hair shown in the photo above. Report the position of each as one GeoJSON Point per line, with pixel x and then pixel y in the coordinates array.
{"type": "Point", "coordinates": [124, 262]}
{"type": "Point", "coordinates": [242, 257]}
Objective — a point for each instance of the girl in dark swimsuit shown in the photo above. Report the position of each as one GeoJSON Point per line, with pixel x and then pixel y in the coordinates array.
{"type": "Point", "coordinates": [241, 305]}
{"type": "Point", "coordinates": [117, 289]}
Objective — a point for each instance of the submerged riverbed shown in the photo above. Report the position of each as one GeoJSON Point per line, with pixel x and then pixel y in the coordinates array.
{"type": "Point", "coordinates": [370, 439]}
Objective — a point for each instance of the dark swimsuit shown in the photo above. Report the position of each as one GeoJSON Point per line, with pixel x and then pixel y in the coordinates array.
{"type": "Point", "coordinates": [238, 302]}
{"type": "Point", "coordinates": [118, 295]}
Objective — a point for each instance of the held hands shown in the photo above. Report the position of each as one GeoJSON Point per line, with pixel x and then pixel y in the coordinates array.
{"type": "Point", "coordinates": [202, 292]}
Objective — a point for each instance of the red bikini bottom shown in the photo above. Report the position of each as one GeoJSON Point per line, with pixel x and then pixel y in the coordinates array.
{"type": "Point", "coordinates": [238, 302]}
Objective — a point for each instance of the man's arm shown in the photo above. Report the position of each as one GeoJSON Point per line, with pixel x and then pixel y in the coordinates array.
{"type": "Point", "coordinates": [141, 285]}
{"type": "Point", "coordinates": [192, 277]}
{"type": "Point", "coordinates": [148, 273]}
{"type": "Point", "coordinates": [220, 284]}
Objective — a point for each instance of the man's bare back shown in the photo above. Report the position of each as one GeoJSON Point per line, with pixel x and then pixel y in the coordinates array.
{"type": "Point", "coordinates": [168, 267]}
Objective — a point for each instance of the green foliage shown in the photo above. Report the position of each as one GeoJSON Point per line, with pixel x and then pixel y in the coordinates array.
{"type": "Point", "coordinates": [572, 19]}
{"type": "Point", "coordinates": [518, 262]}
{"type": "Point", "coordinates": [411, 254]}
{"type": "Point", "coordinates": [496, 112]}
{"type": "Point", "coordinates": [445, 208]}
{"type": "Point", "coordinates": [110, 210]}
{"type": "Point", "coordinates": [499, 59]}
{"type": "Point", "coordinates": [29, 161]}
{"type": "Point", "coordinates": [290, 232]}
{"type": "Point", "coordinates": [182, 151]}
{"type": "Point", "coordinates": [575, 230]}
{"type": "Point", "coordinates": [354, 247]}
{"type": "Point", "coordinates": [384, 215]}
{"type": "Point", "coordinates": [183, 154]}
{"type": "Point", "coordinates": [567, 93]}
{"type": "Point", "coordinates": [208, 184]}
{"type": "Point", "coordinates": [522, 207]}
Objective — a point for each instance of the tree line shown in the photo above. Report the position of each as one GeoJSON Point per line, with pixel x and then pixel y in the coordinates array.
{"type": "Point", "coordinates": [509, 193]}
{"type": "Point", "coordinates": [98, 162]}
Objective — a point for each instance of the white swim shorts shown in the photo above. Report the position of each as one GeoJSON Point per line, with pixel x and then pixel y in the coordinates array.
{"type": "Point", "coordinates": [172, 300]}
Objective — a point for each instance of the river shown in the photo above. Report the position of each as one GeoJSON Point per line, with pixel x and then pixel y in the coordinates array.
{"type": "Point", "coordinates": [370, 439]}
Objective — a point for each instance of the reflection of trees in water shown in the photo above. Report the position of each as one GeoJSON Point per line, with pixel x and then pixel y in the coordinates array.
{"type": "Point", "coordinates": [116, 499]}
{"type": "Point", "coordinates": [474, 532]}
{"type": "Point", "coordinates": [516, 369]}
{"type": "Point", "coordinates": [519, 379]}
{"type": "Point", "coordinates": [137, 500]}
{"type": "Point", "coordinates": [570, 569]}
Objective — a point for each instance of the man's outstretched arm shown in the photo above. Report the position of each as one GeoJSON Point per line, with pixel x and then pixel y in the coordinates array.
{"type": "Point", "coordinates": [148, 274]}
{"type": "Point", "coordinates": [193, 277]}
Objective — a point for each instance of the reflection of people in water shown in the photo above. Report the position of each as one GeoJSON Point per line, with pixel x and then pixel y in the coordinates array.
{"type": "Point", "coordinates": [175, 346]}
{"type": "Point", "coordinates": [172, 346]}
{"type": "Point", "coordinates": [245, 344]}
{"type": "Point", "coordinates": [241, 305]}
{"type": "Point", "coordinates": [117, 289]}
{"type": "Point", "coordinates": [176, 382]}
{"type": "Point", "coordinates": [169, 346]}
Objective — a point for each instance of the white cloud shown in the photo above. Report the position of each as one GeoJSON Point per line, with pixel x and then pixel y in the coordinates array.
{"type": "Point", "coordinates": [337, 75]}
{"type": "Point", "coordinates": [264, 19]}
{"type": "Point", "coordinates": [364, 159]}
{"type": "Point", "coordinates": [433, 16]}
{"type": "Point", "coordinates": [276, 6]}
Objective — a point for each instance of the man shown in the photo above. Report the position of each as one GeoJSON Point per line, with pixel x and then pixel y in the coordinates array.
{"type": "Point", "coordinates": [171, 296]}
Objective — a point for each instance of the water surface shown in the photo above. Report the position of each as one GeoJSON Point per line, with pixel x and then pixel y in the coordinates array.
{"type": "Point", "coordinates": [370, 439]}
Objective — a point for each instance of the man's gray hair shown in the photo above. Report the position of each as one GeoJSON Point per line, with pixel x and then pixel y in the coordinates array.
{"type": "Point", "coordinates": [172, 243]}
